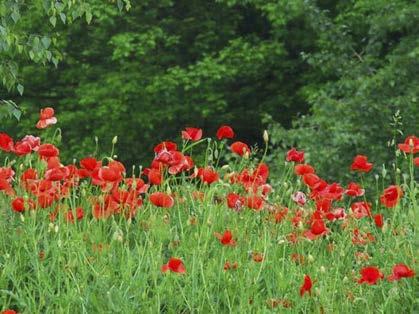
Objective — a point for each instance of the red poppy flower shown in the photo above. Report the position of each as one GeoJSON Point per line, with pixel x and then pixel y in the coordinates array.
{"type": "Point", "coordinates": [192, 134]}
{"type": "Point", "coordinates": [302, 169]}
{"type": "Point", "coordinates": [240, 148]}
{"type": "Point", "coordinates": [336, 214]}
{"type": "Point", "coordinates": [410, 145]}
{"type": "Point", "coordinates": [9, 312]}
{"type": "Point", "coordinates": [257, 257]}
{"type": "Point", "coordinates": [174, 265]}
{"type": "Point", "coordinates": [295, 156]}
{"type": "Point", "coordinates": [225, 131]}
{"type": "Point", "coordinates": [379, 221]}
{"type": "Point", "coordinates": [307, 285]}
{"type": "Point", "coordinates": [155, 176]}
{"type": "Point", "coordinates": [280, 215]}
{"type": "Point", "coordinates": [165, 146]}
{"type": "Point", "coordinates": [48, 150]}
{"type": "Point", "coordinates": [235, 201]}
{"type": "Point", "coordinates": [323, 205]}
{"type": "Point", "coordinates": [318, 229]}
{"type": "Point", "coordinates": [311, 180]}
{"type": "Point", "coordinates": [370, 275]}
{"type": "Point", "coordinates": [79, 214]}
{"type": "Point", "coordinates": [6, 142]}
{"type": "Point", "coordinates": [391, 196]}
{"type": "Point", "coordinates": [354, 190]}
{"type": "Point", "coordinates": [46, 118]}
{"type": "Point", "coordinates": [361, 164]}
{"type": "Point", "coordinates": [254, 202]}
{"type": "Point", "coordinates": [226, 238]}
{"type": "Point", "coordinates": [361, 209]}
{"type": "Point", "coordinates": [161, 199]}
{"type": "Point", "coordinates": [18, 204]}
{"type": "Point", "coordinates": [401, 271]}
{"type": "Point", "coordinates": [90, 163]}
{"type": "Point", "coordinates": [362, 238]}
{"type": "Point", "coordinates": [22, 148]}
{"type": "Point", "coordinates": [208, 175]}
{"type": "Point", "coordinates": [228, 265]}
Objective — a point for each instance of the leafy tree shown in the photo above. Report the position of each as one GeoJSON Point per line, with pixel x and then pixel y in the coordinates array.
{"type": "Point", "coordinates": [24, 36]}
{"type": "Point", "coordinates": [366, 61]}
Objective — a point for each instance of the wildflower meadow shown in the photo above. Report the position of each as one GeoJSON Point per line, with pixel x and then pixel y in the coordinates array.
{"type": "Point", "coordinates": [204, 228]}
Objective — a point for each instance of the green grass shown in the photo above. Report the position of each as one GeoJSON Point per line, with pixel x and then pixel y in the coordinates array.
{"type": "Point", "coordinates": [114, 265]}
{"type": "Point", "coordinates": [125, 276]}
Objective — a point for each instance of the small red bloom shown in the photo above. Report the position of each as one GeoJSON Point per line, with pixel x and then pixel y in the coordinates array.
{"type": "Point", "coordinates": [174, 265]}
{"type": "Point", "coordinates": [370, 275]}
{"type": "Point", "coordinates": [401, 271]}
{"type": "Point", "coordinates": [48, 150]}
{"type": "Point", "coordinates": [378, 219]}
{"type": "Point", "coordinates": [225, 131]}
{"type": "Point", "coordinates": [240, 148]}
{"type": "Point", "coordinates": [318, 229]}
{"type": "Point", "coordinates": [6, 142]}
{"type": "Point", "coordinates": [361, 209]}
{"type": "Point", "coordinates": [410, 145]}
{"type": "Point", "coordinates": [9, 312]}
{"type": "Point", "coordinates": [307, 285]}
{"type": "Point", "coordinates": [18, 204]}
{"type": "Point", "coordinates": [302, 169]}
{"type": "Point", "coordinates": [161, 199]}
{"type": "Point", "coordinates": [192, 134]}
{"type": "Point", "coordinates": [46, 118]}
{"type": "Point", "coordinates": [354, 190]}
{"type": "Point", "coordinates": [165, 146]}
{"type": "Point", "coordinates": [228, 265]}
{"type": "Point", "coordinates": [257, 257]}
{"type": "Point", "coordinates": [391, 196]}
{"type": "Point", "coordinates": [254, 202]}
{"type": "Point", "coordinates": [226, 238]}
{"type": "Point", "coordinates": [155, 176]}
{"type": "Point", "coordinates": [361, 164]}
{"type": "Point", "coordinates": [295, 156]}
{"type": "Point", "coordinates": [208, 175]}
{"type": "Point", "coordinates": [235, 201]}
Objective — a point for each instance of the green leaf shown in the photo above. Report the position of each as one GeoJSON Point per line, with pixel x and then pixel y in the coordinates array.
{"type": "Point", "coordinates": [20, 89]}
{"type": "Point", "coordinates": [89, 17]}
{"type": "Point", "coordinates": [46, 41]}
{"type": "Point", "coordinates": [53, 20]}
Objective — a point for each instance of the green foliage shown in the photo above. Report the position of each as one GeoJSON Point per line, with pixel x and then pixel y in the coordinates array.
{"type": "Point", "coordinates": [27, 32]}
{"type": "Point", "coordinates": [366, 60]}
{"type": "Point", "coordinates": [328, 72]}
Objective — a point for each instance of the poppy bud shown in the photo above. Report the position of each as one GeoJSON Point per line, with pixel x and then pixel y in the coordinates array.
{"type": "Point", "coordinates": [310, 258]}
{"type": "Point", "coordinates": [22, 218]}
{"type": "Point", "coordinates": [265, 136]}
{"type": "Point", "coordinates": [115, 139]}
{"type": "Point", "coordinates": [322, 269]}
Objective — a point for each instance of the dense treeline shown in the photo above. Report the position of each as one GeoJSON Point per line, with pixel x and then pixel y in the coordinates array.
{"type": "Point", "coordinates": [326, 76]}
